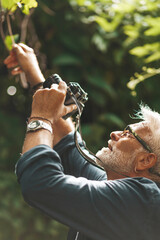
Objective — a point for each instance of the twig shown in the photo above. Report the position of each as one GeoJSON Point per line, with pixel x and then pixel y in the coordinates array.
{"type": "Point", "coordinates": [1, 23]}
{"type": "Point", "coordinates": [46, 9]}
{"type": "Point", "coordinates": [10, 28]}
{"type": "Point", "coordinates": [22, 75]}
{"type": "Point", "coordinates": [24, 26]}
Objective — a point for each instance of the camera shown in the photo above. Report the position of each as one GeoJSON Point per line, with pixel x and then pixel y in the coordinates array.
{"type": "Point", "coordinates": [75, 94]}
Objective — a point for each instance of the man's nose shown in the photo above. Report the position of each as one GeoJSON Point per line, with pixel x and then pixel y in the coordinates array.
{"type": "Point", "coordinates": [115, 136]}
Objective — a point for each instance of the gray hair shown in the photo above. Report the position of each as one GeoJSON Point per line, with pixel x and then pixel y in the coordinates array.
{"type": "Point", "coordinates": [153, 121]}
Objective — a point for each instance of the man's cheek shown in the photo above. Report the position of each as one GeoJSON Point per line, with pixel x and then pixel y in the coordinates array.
{"type": "Point", "coordinates": [126, 147]}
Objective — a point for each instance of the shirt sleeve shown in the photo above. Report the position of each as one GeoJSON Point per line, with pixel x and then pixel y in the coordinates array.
{"type": "Point", "coordinates": [99, 209]}
{"type": "Point", "coordinates": [74, 163]}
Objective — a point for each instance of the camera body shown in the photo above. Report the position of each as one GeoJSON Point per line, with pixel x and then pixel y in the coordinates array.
{"type": "Point", "coordinates": [74, 90]}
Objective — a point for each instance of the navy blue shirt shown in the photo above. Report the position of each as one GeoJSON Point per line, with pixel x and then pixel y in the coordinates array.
{"type": "Point", "coordinates": [63, 185]}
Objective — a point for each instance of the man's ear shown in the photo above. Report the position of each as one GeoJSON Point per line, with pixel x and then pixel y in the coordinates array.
{"type": "Point", "coordinates": [145, 161]}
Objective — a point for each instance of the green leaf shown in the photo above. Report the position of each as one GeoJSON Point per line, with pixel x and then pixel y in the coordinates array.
{"type": "Point", "coordinates": [108, 26]}
{"type": "Point", "coordinates": [27, 4]}
{"type": "Point", "coordinates": [88, 129]}
{"type": "Point", "coordinates": [30, 3]}
{"type": "Point", "coordinates": [9, 4]}
{"type": "Point", "coordinates": [154, 29]}
{"type": "Point", "coordinates": [154, 57]}
{"type": "Point", "coordinates": [66, 59]}
{"type": "Point", "coordinates": [100, 42]}
{"type": "Point", "coordinates": [152, 5]}
{"type": "Point", "coordinates": [25, 9]}
{"type": "Point", "coordinates": [146, 49]}
{"type": "Point", "coordinates": [13, 9]}
{"type": "Point", "coordinates": [89, 4]}
{"type": "Point", "coordinates": [139, 51]}
{"type": "Point", "coordinates": [98, 98]}
{"type": "Point", "coordinates": [13, 4]}
{"type": "Point", "coordinates": [8, 41]}
{"type": "Point", "coordinates": [98, 81]}
{"type": "Point", "coordinates": [110, 117]}
{"type": "Point", "coordinates": [126, 6]}
{"type": "Point", "coordinates": [104, 23]}
{"type": "Point", "coordinates": [80, 2]}
{"type": "Point", "coordinates": [131, 31]}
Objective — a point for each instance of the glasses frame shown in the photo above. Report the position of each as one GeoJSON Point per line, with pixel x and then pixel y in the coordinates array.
{"type": "Point", "coordinates": [140, 140]}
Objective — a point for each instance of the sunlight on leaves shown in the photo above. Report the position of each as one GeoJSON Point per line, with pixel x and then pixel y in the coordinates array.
{"type": "Point", "coordinates": [140, 77]}
{"type": "Point", "coordinates": [146, 49]}
{"type": "Point", "coordinates": [9, 4]}
{"type": "Point", "coordinates": [25, 5]}
{"type": "Point", "coordinates": [131, 31]}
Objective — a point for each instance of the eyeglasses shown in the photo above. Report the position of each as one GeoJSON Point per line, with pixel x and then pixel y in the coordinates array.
{"type": "Point", "coordinates": [142, 142]}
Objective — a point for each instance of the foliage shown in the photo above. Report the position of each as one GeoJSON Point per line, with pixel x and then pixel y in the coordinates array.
{"type": "Point", "coordinates": [25, 5]}
{"type": "Point", "coordinates": [99, 44]}
{"type": "Point", "coordinates": [7, 9]}
{"type": "Point", "coordinates": [139, 21]}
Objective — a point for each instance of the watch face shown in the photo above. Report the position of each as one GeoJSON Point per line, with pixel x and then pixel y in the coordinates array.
{"type": "Point", "coordinates": [37, 124]}
{"type": "Point", "coordinates": [34, 124]}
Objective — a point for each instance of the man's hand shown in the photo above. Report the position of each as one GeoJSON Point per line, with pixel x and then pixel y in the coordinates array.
{"type": "Point", "coordinates": [49, 103]}
{"type": "Point", "coordinates": [23, 59]}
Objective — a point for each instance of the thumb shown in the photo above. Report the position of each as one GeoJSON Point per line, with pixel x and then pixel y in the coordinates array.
{"type": "Point", "coordinates": [69, 108]}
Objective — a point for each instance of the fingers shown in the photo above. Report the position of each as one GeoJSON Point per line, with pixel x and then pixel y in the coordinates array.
{"type": "Point", "coordinates": [52, 102]}
{"type": "Point", "coordinates": [54, 86]}
{"type": "Point", "coordinates": [69, 108]}
{"type": "Point", "coordinates": [17, 49]}
{"type": "Point", "coordinates": [25, 47]}
{"type": "Point", "coordinates": [9, 59]}
{"type": "Point", "coordinates": [16, 71]}
{"type": "Point", "coordinates": [62, 86]}
{"type": "Point", "coordinates": [12, 63]}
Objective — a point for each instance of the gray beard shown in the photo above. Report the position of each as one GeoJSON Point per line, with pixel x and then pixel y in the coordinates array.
{"type": "Point", "coordinates": [117, 161]}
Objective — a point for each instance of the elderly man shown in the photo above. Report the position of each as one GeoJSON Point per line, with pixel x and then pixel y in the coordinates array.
{"type": "Point", "coordinates": [121, 204]}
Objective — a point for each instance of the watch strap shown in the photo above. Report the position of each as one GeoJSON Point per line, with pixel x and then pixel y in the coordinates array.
{"type": "Point", "coordinates": [38, 124]}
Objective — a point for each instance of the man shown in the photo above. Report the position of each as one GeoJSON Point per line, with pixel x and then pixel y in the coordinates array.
{"type": "Point", "coordinates": [59, 182]}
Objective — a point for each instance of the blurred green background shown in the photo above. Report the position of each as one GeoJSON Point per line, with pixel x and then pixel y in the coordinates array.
{"type": "Point", "coordinates": [99, 44]}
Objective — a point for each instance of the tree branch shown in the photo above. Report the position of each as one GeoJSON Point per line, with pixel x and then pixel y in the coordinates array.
{"type": "Point", "coordinates": [10, 28]}
{"type": "Point", "coordinates": [24, 26]}
{"type": "Point", "coordinates": [2, 17]}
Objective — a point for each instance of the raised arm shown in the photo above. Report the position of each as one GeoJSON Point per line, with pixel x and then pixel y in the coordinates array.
{"type": "Point", "coordinates": [23, 59]}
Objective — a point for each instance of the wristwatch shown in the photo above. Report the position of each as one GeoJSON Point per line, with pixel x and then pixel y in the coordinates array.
{"type": "Point", "coordinates": [38, 124]}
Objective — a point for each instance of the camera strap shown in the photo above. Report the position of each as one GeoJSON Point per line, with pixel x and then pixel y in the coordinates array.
{"type": "Point", "coordinates": [78, 126]}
